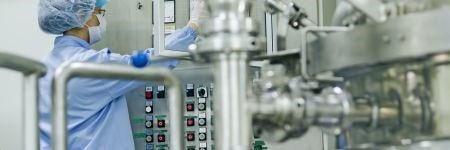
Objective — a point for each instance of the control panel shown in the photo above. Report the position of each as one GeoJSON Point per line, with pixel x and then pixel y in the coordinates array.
{"type": "Point", "coordinates": [147, 107]}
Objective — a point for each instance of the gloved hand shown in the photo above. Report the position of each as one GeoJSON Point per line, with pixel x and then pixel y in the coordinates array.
{"type": "Point", "coordinates": [199, 13]}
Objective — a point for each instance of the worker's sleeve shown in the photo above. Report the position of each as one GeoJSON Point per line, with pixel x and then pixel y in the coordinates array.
{"type": "Point", "coordinates": [179, 40]}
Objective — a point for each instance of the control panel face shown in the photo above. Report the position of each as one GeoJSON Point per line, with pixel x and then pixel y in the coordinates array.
{"type": "Point", "coordinates": [147, 107]}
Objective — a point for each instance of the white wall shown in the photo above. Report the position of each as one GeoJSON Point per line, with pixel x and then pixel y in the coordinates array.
{"type": "Point", "coordinates": [19, 34]}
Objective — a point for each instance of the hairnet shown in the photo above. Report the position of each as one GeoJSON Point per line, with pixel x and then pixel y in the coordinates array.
{"type": "Point", "coordinates": [57, 16]}
{"type": "Point", "coordinates": [101, 3]}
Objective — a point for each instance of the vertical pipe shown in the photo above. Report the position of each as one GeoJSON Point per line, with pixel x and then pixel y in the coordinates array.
{"type": "Point", "coordinates": [320, 12]}
{"type": "Point", "coordinates": [233, 123]}
{"type": "Point", "coordinates": [158, 27]}
{"type": "Point", "coordinates": [59, 110]}
{"type": "Point", "coordinates": [31, 112]}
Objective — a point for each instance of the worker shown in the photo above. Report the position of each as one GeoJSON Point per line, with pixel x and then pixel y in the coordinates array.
{"type": "Point", "coordinates": [97, 109]}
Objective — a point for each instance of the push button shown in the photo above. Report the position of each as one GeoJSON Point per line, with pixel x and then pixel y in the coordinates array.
{"type": "Point", "coordinates": [190, 137]}
{"type": "Point", "coordinates": [190, 122]}
{"type": "Point", "coordinates": [189, 107]}
{"type": "Point", "coordinates": [161, 138]}
{"type": "Point", "coordinates": [161, 123]}
{"type": "Point", "coordinates": [148, 92]}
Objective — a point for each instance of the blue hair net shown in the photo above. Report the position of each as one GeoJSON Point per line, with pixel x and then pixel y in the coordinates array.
{"type": "Point", "coordinates": [101, 3]}
{"type": "Point", "coordinates": [57, 16]}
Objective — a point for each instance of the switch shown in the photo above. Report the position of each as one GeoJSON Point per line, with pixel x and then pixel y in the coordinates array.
{"type": "Point", "coordinates": [161, 123]}
{"type": "Point", "coordinates": [202, 106]}
{"type": "Point", "coordinates": [149, 109]}
{"type": "Point", "coordinates": [202, 136]}
{"type": "Point", "coordinates": [148, 92]}
{"type": "Point", "coordinates": [161, 138]}
{"type": "Point", "coordinates": [161, 93]}
{"type": "Point", "coordinates": [189, 107]}
{"type": "Point", "coordinates": [202, 121]}
{"type": "Point", "coordinates": [149, 124]}
{"type": "Point", "coordinates": [202, 92]}
{"type": "Point", "coordinates": [149, 138]}
{"type": "Point", "coordinates": [189, 90]}
{"type": "Point", "coordinates": [190, 122]}
{"type": "Point", "coordinates": [190, 137]}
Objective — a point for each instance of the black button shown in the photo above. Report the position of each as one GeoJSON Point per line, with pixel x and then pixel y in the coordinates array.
{"type": "Point", "coordinates": [202, 121]}
{"type": "Point", "coordinates": [149, 124]}
{"type": "Point", "coordinates": [202, 136]}
{"type": "Point", "coordinates": [201, 106]}
{"type": "Point", "coordinates": [190, 93]}
{"type": "Point", "coordinates": [161, 94]}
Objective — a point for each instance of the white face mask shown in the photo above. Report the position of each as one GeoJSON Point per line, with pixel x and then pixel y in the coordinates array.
{"type": "Point", "coordinates": [96, 33]}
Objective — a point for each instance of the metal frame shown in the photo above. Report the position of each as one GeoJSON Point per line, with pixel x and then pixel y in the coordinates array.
{"type": "Point", "coordinates": [304, 49]}
{"type": "Point", "coordinates": [68, 71]}
{"type": "Point", "coordinates": [31, 71]}
{"type": "Point", "coordinates": [158, 32]}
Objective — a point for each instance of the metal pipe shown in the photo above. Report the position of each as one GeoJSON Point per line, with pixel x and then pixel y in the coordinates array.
{"type": "Point", "coordinates": [233, 123]}
{"type": "Point", "coordinates": [68, 71]}
{"type": "Point", "coordinates": [31, 111]}
{"type": "Point", "coordinates": [21, 64]}
{"type": "Point", "coordinates": [31, 70]}
{"type": "Point", "coordinates": [158, 26]}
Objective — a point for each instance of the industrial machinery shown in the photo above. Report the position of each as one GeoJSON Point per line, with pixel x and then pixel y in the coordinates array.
{"type": "Point", "coordinates": [379, 79]}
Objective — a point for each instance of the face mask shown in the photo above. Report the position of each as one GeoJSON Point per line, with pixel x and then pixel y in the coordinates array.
{"type": "Point", "coordinates": [96, 33]}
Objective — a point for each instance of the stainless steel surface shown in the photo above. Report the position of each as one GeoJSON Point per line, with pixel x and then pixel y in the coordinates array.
{"type": "Point", "coordinates": [410, 36]}
{"type": "Point", "coordinates": [69, 71]}
{"type": "Point", "coordinates": [233, 120]}
{"type": "Point", "coordinates": [320, 31]}
{"type": "Point", "coordinates": [32, 71]}
{"type": "Point", "coordinates": [31, 111]}
{"type": "Point", "coordinates": [21, 64]}
{"type": "Point", "coordinates": [158, 10]}
{"type": "Point", "coordinates": [412, 103]}
{"type": "Point", "coordinates": [374, 9]}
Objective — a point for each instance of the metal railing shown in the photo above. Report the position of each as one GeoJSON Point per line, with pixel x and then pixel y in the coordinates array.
{"type": "Point", "coordinates": [31, 70]}
{"type": "Point", "coordinates": [68, 71]}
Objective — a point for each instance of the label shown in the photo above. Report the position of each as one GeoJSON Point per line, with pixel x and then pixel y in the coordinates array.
{"type": "Point", "coordinates": [202, 130]}
{"type": "Point", "coordinates": [189, 86]}
{"type": "Point", "coordinates": [148, 88]}
{"type": "Point", "coordinates": [161, 88]}
{"type": "Point", "coordinates": [202, 100]}
{"type": "Point", "coordinates": [202, 115]}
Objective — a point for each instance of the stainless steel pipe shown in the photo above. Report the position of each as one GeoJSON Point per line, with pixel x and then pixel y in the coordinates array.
{"type": "Point", "coordinates": [233, 123]}
{"type": "Point", "coordinates": [68, 71]}
{"type": "Point", "coordinates": [31, 70]}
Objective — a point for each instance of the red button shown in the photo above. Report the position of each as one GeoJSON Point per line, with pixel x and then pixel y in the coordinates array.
{"type": "Point", "coordinates": [190, 122]}
{"type": "Point", "coordinates": [190, 107]}
{"type": "Point", "coordinates": [161, 138]}
{"type": "Point", "coordinates": [161, 123]}
{"type": "Point", "coordinates": [148, 94]}
{"type": "Point", "coordinates": [190, 137]}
